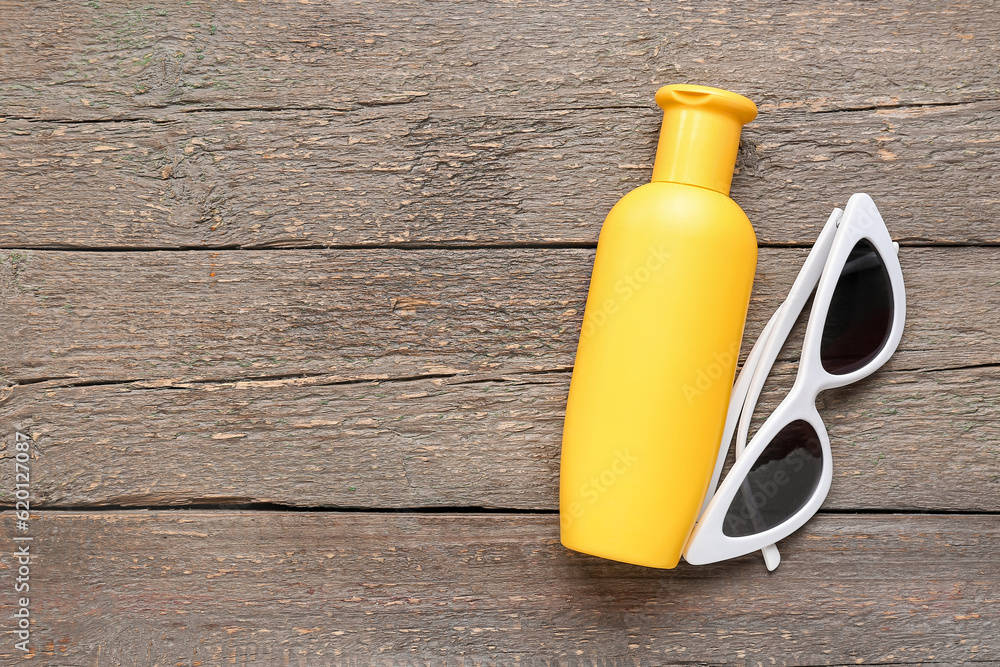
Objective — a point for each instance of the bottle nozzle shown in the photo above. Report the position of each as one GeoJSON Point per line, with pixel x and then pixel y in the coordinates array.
{"type": "Point", "coordinates": [700, 135]}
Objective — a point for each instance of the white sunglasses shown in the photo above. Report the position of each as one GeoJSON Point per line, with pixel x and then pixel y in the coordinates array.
{"type": "Point", "coordinates": [780, 479]}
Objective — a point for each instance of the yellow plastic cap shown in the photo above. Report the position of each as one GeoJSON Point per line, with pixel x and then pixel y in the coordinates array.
{"type": "Point", "coordinates": [700, 135]}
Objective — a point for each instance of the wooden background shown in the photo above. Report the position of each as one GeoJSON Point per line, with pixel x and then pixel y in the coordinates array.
{"type": "Point", "coordinates": [290, 292]}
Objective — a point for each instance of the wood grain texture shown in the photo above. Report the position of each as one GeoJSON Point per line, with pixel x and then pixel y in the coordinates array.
{"type": "Point", "coordinates": [901, 440]}
{"type": "Point", "coordinates": [333, 256]}
{"type": "Point", "coordinates": [220, 588]}
{"type": "Point", "coordinates": [377, 177]}
{"type": "Point", "coordinates": [360, 314]}
{"type": "Point", "coordinates": [115, 59]}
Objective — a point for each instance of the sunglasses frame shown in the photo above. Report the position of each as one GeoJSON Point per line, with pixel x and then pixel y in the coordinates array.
{"type": "Point", "coordinates": [822, 270]}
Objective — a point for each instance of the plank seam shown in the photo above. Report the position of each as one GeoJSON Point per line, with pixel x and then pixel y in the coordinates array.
{"type": "Point", "coordinates": [470, 510]}
{"type": "Point", "coordinates": [457, 246]}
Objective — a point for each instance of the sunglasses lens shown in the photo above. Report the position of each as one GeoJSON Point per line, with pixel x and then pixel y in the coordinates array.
{"type": "Point", "coordinates": [860, 316]}
{"type": "Point", "coordinates": [780, 483]}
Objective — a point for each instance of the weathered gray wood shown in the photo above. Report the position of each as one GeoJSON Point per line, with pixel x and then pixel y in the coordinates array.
{"type": "Point", "coordinates": [360, 314]}
{"type": "Point", "coordinates": [234, 377]}
{"type": "Point", "coordinates": [341, 589]}
{"type": "Point", "coordinates": [114, 59]}
{"type": "Point", "coordinates": [901, 440]}
{"type": "Point", "coordinates": [385, 176]}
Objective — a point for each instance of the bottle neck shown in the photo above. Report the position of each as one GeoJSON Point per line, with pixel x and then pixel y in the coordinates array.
{"type": "Point", "coordinates": [700, 135]}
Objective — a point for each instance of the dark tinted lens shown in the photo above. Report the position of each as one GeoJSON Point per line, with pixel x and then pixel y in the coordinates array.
{"type": "Point", "coordinates": [860, 315]}
{"type": "Point", "coordinates": [780, 483]}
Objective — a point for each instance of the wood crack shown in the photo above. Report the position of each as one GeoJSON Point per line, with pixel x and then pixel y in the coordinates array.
{"type": "Point", "coordinates": [904, 105]}
{"type": "Point", "coordinates": [299, 379]}
{"type": "Point", "coordinates": [288, 379]}
{"type": "Point", "coordinates": [361, 105]}
{"type": "Point", "coordinates": [967, 367]}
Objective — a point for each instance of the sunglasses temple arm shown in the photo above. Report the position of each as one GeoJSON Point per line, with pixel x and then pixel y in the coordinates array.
{"type": "Point", "coordinates": [773, 331]}
{"type": "Point", "coordinates": [776, 330]}
{"type": "Point", "coordinates": [735, 405]}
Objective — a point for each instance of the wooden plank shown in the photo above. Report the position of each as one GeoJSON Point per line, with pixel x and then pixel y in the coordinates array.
{"type": "Point", "coordinates": [359, 314]}
{"type": "Point", "coordinates": [378, 177]}
{"type": "Point", "coordinates": [115, 59]}
{"type": "Point", "coordinates": [355, 588]}
{"type": "Point", "coordinates": [901, 441]}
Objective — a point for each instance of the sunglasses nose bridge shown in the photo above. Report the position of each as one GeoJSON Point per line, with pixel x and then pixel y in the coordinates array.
{"type": "Point", "coordinates": [800, 403]}
{"type": "Point", "coordinates": [811, 377]}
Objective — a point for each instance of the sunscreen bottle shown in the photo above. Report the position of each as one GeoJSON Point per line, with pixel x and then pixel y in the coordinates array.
{"type": "Point", "coordinates": [660, 340]}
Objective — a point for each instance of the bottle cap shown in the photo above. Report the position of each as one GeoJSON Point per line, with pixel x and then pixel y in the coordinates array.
{"type": "Point", "coordinates": [700, 135]}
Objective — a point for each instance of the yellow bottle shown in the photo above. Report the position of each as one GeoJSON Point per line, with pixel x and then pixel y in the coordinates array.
{"type": "Point", "coordinates": [660, 341]}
